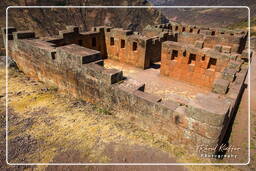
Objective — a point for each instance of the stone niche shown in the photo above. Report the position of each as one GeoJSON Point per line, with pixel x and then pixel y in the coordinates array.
{"type": "Point", "coordinates": [191, 64]}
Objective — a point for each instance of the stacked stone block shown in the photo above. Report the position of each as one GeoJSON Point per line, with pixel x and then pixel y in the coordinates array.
{"type": "Point", "coordinates": [72, 63]}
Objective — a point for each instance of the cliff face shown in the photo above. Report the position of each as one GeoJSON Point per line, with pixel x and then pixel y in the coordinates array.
{"type": "Point", "coordinates": [47, 21]}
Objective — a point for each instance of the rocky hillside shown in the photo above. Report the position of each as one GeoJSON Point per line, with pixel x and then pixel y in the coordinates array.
{"type": "Point", "coordinates": [207, 17]}
{"type": "Point", "coordinates": [244, 24]}
{"type": "Point", "coordinates": [48, 21]}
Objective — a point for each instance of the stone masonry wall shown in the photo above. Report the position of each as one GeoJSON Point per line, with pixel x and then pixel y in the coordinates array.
{"type": "Point", "coordinates": [226, 41]}
{"type": "Point", "coordinates": [134, 49]}
{"type": "Point", "coordinates": [191, 64]}
{"type": "Point", "coordinates": [80, 71]}
{"type": "Point", "coordinates": [126, 47]}
{"type": "Point", "coordinates": [93, 39]}
{"type": "Point", "coordinates": [116, 43]}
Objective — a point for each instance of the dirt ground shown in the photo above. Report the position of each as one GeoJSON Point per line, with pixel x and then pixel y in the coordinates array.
{"type": "Point", "coordinates": [156, 84]}
{"type": "Point", "coordinates": [46, 126]}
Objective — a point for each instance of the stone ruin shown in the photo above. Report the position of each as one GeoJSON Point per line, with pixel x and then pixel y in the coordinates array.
{"type": "Point", "coordinates": [215, 60]}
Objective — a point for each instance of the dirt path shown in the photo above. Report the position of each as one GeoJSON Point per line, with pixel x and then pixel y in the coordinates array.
{"type": "Point", "coordinates": [253, 114]}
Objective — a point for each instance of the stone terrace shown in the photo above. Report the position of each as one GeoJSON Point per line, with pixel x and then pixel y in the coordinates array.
{"type": "Point", "coordinates": [181, 81]}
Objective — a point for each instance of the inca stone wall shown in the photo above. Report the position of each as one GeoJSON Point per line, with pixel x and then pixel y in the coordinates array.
{"type": "Point", "coordinates": [75, 64]}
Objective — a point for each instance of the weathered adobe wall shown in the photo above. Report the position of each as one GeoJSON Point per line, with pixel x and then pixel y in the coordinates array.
{"type": "Point", "coordinates": [78, 71]}
{"type": "Point", "coordinates": [191, 64]}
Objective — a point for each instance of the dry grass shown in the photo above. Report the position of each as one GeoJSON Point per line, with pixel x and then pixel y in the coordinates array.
{"type": "Point", "coordinates": [62, 123]}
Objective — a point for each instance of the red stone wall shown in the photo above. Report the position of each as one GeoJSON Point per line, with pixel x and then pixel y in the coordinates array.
{"type": "Point", "coordinates": [211, 37]}
{"type": "Point", "coordinates": [132, 51]}
{"type": "Point", "coordinates": [94, 83]}
{"type": "Point", "coordinates": [198, 70]}
{"type": "Point", "coordinates": [92, 40]}
{"type": "Point", "coordinates": [211, 41]}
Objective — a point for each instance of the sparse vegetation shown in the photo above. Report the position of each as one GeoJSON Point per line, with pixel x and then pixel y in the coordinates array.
{"type": "Point", "coordinates": [61, 3]}
{"type": "Point", "coordinates": [2, 53]}
{"type": "Point", "coordinates": [103, 111]}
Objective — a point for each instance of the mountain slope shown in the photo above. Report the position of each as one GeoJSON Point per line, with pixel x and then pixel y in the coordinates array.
{"type": "Point", "coordinates": [221, 17]}
{"type": "Point", "coordinates": [53, 19]}
{"type": "Point", "coordinates": [244, 25]}
{"type": "Point", "coordinates": [48, 21]}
